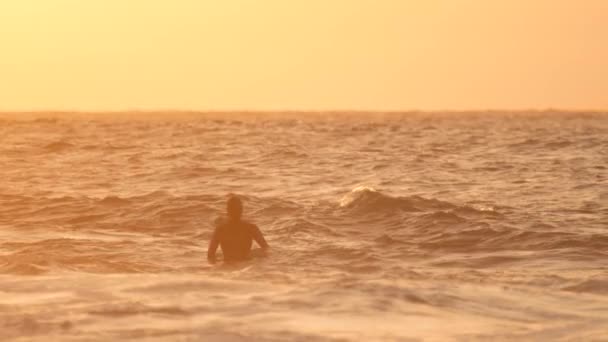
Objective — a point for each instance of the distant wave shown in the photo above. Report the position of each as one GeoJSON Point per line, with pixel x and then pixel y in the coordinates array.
{"type": "Point", "coordinates": [597, 286]}
{"type": "Point", "coordinates": [367, 199]}
{"type": "Point", "coordinates": [114, 201]}
{"type": "Point", "coordinates": [58, 146]}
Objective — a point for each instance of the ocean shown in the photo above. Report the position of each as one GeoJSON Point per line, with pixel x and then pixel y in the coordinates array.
{"type": "Point", "coordinates": [383, 226]}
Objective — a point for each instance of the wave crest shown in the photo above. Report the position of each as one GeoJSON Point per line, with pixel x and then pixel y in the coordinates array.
{"type": "Point", "coordinates": [58, 146]}
{"type": "Point", "coordinates": [364, 198]}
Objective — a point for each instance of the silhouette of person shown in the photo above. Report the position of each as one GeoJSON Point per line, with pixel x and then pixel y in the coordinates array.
{"type": "Point", "coordinates": [234, 235]}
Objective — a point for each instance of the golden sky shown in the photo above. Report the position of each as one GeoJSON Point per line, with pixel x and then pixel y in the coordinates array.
{"type": "Point", "coordinates": [303, 54]}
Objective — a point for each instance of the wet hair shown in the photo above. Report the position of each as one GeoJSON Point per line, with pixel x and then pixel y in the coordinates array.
{"type": "Point", "coordinates": [234, 207]}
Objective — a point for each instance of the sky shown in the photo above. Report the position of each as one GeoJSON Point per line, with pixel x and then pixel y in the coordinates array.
{"type": "Point", "coordinates": [303, 54]}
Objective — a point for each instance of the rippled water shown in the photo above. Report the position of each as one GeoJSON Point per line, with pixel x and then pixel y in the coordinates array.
{"type": "Point", "coordinates": [439, 227]}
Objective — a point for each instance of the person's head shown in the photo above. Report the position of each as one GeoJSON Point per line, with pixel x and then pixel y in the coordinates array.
{"type": "Point", "coordinates": [234, 208]}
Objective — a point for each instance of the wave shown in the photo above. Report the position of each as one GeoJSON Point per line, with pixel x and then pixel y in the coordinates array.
{"type": "Point", "coordinates": [443, 217]}
{"type": "Point", "coordinates": [386, 239]}
{"type": "Point", "coordinates": [556, 144]}
{"type": "Point", "coordinates": [475, 237]}
{"type": "Point", "coordinates": [434, 225]}
{"type": "Point", "coordinates": [78, 254]}
{"type": "Point", "coordinates": [593, 285]}
{"type": "Point", "coordinates": [551, 240]}
{"type": "Point", "coordinates": [366, 199]}
{"type": "Point", "coordinates": [283, 154]}
{"type": "Point", "coordinates": [108, 147]}
{"type": "Point", "coordinates": [290, 227]}
{"type": "Point", "coordinates": [366, 223]}
{"type": "Point", "coordinates": [58, 146]}
{"type": "Point", "coordinates": [114, 201]}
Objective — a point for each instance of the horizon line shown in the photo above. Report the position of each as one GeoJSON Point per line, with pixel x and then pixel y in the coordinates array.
{"type": "Point", "coordinates": [304, 111]}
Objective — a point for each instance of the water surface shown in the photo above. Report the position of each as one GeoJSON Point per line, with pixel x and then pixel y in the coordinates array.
{"type": "Point", "coordinates": [435, 227]}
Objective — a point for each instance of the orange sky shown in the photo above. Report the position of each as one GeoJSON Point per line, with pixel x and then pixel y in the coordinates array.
{"type": "Point", "coordinates": [309, 54]}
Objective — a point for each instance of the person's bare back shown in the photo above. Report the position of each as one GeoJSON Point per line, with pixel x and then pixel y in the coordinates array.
{"type": "Point", "coordinates": [234, 235]}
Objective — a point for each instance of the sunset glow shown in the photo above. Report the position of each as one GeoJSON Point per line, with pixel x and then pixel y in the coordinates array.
{"type": "Point", "coordinates": [187, 54]}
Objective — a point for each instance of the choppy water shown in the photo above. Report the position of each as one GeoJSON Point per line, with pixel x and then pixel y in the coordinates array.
{"type": "Point", "coordinates": [438, 227]}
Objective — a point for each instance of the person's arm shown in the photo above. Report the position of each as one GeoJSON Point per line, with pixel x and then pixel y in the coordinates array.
{"type": "Point", "coordinates": [213, 244]}
{"type": "Point", "coordinates": [259, 238]}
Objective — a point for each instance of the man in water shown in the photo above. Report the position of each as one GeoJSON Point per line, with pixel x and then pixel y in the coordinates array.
{"type": "Point", "coordinates": [234, 235]}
